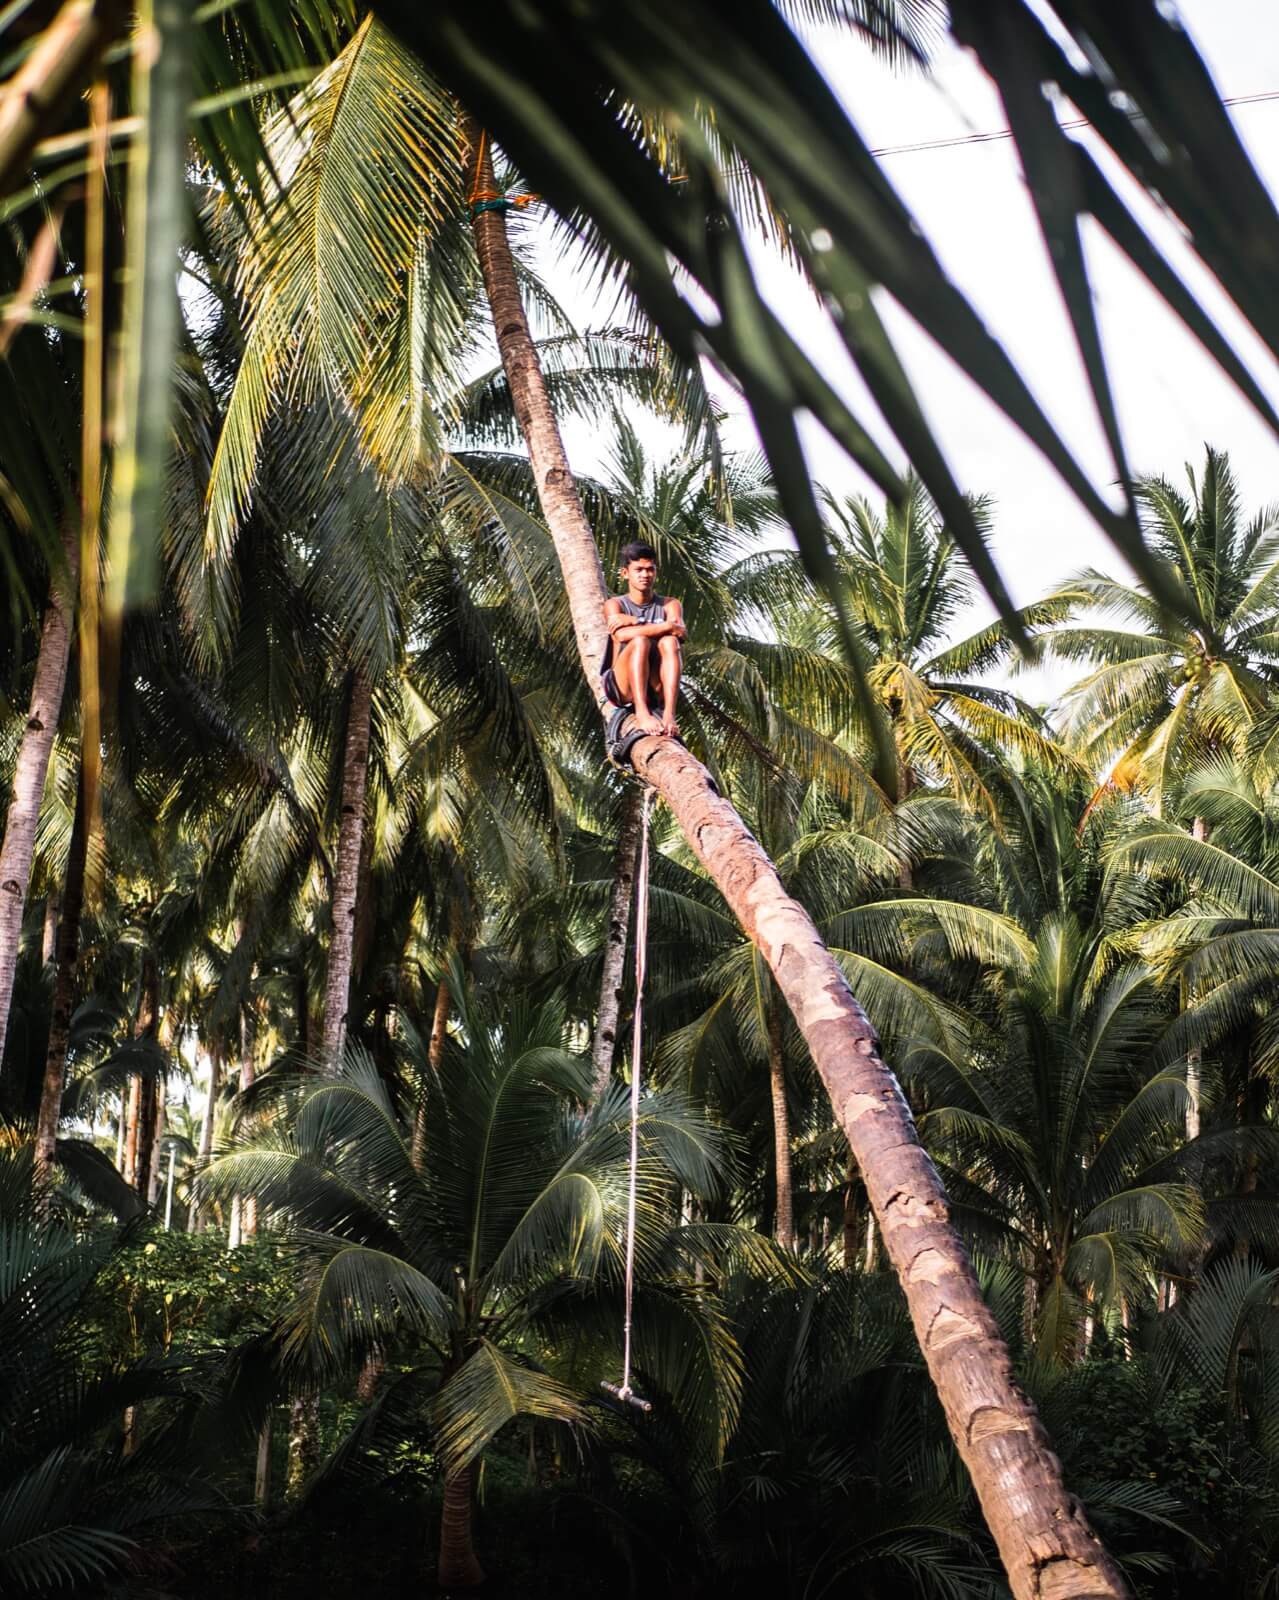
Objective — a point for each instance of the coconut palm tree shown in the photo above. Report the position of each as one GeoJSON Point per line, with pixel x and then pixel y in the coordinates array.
{"type": "Point", "coordinates": [72, 1506]}
{"type": "Point", "coordinates": [1172, 685]}
{"type": "Point", "coordinates": [1061, 1125]}
{"type": "Point", "coordinates": [906, 584]}
{"type": "Point", "coordinates": [960, 1340]}
{"type": "Point", "coordinates": [464, 1260]}
{"type": "Point", "coordinates": [719, 271]}
{"type": "Point", "coordinates": [1213, 942]}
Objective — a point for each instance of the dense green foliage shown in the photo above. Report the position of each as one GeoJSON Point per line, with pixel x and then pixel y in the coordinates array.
{"type": "Point", "coordinates": [301, 1273]}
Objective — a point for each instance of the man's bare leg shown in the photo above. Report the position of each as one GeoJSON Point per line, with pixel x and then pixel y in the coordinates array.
{"type": "Point", "coordinates": [672, 667]}
{"type": "Point", "coordinates": [632, 679]}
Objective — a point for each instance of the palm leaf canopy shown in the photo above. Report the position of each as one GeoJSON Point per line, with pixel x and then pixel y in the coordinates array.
{"type": "Point", "coordinates": [742, 88]}
{"type": "Point", "coordinates": [1186, 680]}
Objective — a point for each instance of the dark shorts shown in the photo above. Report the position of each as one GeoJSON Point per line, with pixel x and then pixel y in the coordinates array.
{"type": "Point", "coordinates": [608, 682]}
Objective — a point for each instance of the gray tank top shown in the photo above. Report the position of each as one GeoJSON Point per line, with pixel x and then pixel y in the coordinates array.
{"type": "Point", "coordinates": [654, 611]}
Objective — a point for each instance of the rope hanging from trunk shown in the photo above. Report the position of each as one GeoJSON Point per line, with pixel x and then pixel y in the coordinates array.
{"type": "Point", "coordinates": [623, 1391]}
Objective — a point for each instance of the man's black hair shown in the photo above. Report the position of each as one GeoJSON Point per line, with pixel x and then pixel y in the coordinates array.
{"type": "Point", "coordinates": [637, 550]}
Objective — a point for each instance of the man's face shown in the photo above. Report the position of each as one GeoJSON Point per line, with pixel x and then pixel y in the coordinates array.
{"type": "Point", "coordinates": [641, 573]}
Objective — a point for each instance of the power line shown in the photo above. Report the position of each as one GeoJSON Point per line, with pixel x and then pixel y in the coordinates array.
{"type": "Point", "coordinates": [997, 134]}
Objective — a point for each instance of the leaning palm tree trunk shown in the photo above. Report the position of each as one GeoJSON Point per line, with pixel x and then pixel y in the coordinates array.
{"type": "Point", "coordinates": [1044, 1540]}
{"type": "Point", "coordinates": [28, 784]}
{"type": "Point", "coordinates": [346, 881]}
{"type": "Point", "coordinates": [66, 957]}
{"type": "Point", "coordinates": [615, 936]}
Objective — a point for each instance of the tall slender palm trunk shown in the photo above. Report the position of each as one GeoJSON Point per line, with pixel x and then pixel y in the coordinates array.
{"type": "Point", "coordinates": [346, 880]}
{"type": "Point", "coordinates": [1043, 1536]}
{"type": "Point", "coordinates": [206, 1135]}
{"type": "Point", "coordinates": [434, 1056]}
{"type": "Point", "coordinates": [248, 1075]}
{"type": "Point", "coordinates": [157, 1137]}
{"type": "Point", "coordinates": [262, 1465]}
{"type": "Point", "coordinates": [1195, 1055]}
{"type": "Point", "coordinates": [458, 1568]}
{"type": "Point", "coordinates": [142, 1135]}
{"type": "Point", "coordinates": [615, 936]}
{"type": "Point", "coordinates": [66, 956]}
{"type": "Point", "coordinates": [784, 1223]}
{"type": "Point", "coordinates": [304, 1415]}
{"type": "Point", "coordinates": [132, 1117]}
{"type": "Point", "coordinates": [49, 934]}
{"type": "Point", "coordinates": [29, 774]}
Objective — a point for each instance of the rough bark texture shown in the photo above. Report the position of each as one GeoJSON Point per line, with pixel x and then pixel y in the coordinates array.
{"type": "Point", "coordinates": [784, 1224]}
{"type": "Point", "coordinates": [304, 1442]}
{"type": "Point", "coordinates": [366, 1384]}
{"type": "Point", "coordinates": [556, 487]}
{"type": "Point", "coordinates": [132, 1116]}
{"type": "Point", "coordinates": [49, 936]}
{"type": "Point", "coordinates": [29, 773]}
{"type": "Point", "coordinates": [1044, 1540]}
{"type": "Point", "coordinates": [459, 1568]}
{"type": "Point", "coordinates": [68, 951]}
{"type": "Point", "coordinates": [615, 937]}
{"type": "Point", "coordinates": [346, 878]}
{"type": "Point", "coordinates": [262, 1471]}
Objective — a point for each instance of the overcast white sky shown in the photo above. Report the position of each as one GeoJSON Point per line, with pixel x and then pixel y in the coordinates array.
{"type": "Point", "coordinates": [973, 206]}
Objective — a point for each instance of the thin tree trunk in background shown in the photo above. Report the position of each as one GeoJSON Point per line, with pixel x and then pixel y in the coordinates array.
{"type": "Point", "coordinates": [29, 774]}
{"type": "Point", "coordinates": [304, 1442]}
{"type": "Point", "coordinates": [1195, 1056]}
{"type": "Point", "coordinates": [346, 878]}
{"type": "Point", "coordinates": [262, 1470]}
{"type": "Point", "coordinates": [434, 1056]}
{"type": "Point", "coordinates": [196, 1210]}
{"type": "Point", "coordinates": [248, 1073]}
{"type": "Point", "coordinates": [49, 936]}
{"type": "Point", "coordinates": [132, 1115]}
{"type": "Point", "coordinates": [852, 1217]}
{"type": "Point", "coordinates": [370, 1376]}
{"type": "Point", "coordinates": [142, 1130]}
{"type": "Point", "coordinates": [1043, 1536]}
{"type": "Point", "coordinates": [458, 1568]}
{"type": "Point", "coordinates": [615, 936]}
{"type": "Point", "coordinates": [168, 1189]}
{"type": "Point", "coordinates": [784, 1222]}
{"type": "Point", "coordinates": [157, 1138]}
{"type": "Point", "coordinates": [211, 1105]}
{"type": "Point", "coordinates": [55, 1063]}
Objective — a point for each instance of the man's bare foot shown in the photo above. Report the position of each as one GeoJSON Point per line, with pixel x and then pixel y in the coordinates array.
{"type": "Point", "coordinates": [670, 728]}
{"type": "Point", "coordinates": [648, 722]}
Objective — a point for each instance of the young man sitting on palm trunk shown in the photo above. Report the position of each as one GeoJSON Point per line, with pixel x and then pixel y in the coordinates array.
{"type": "Point", "coordinates": [642, 663]}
